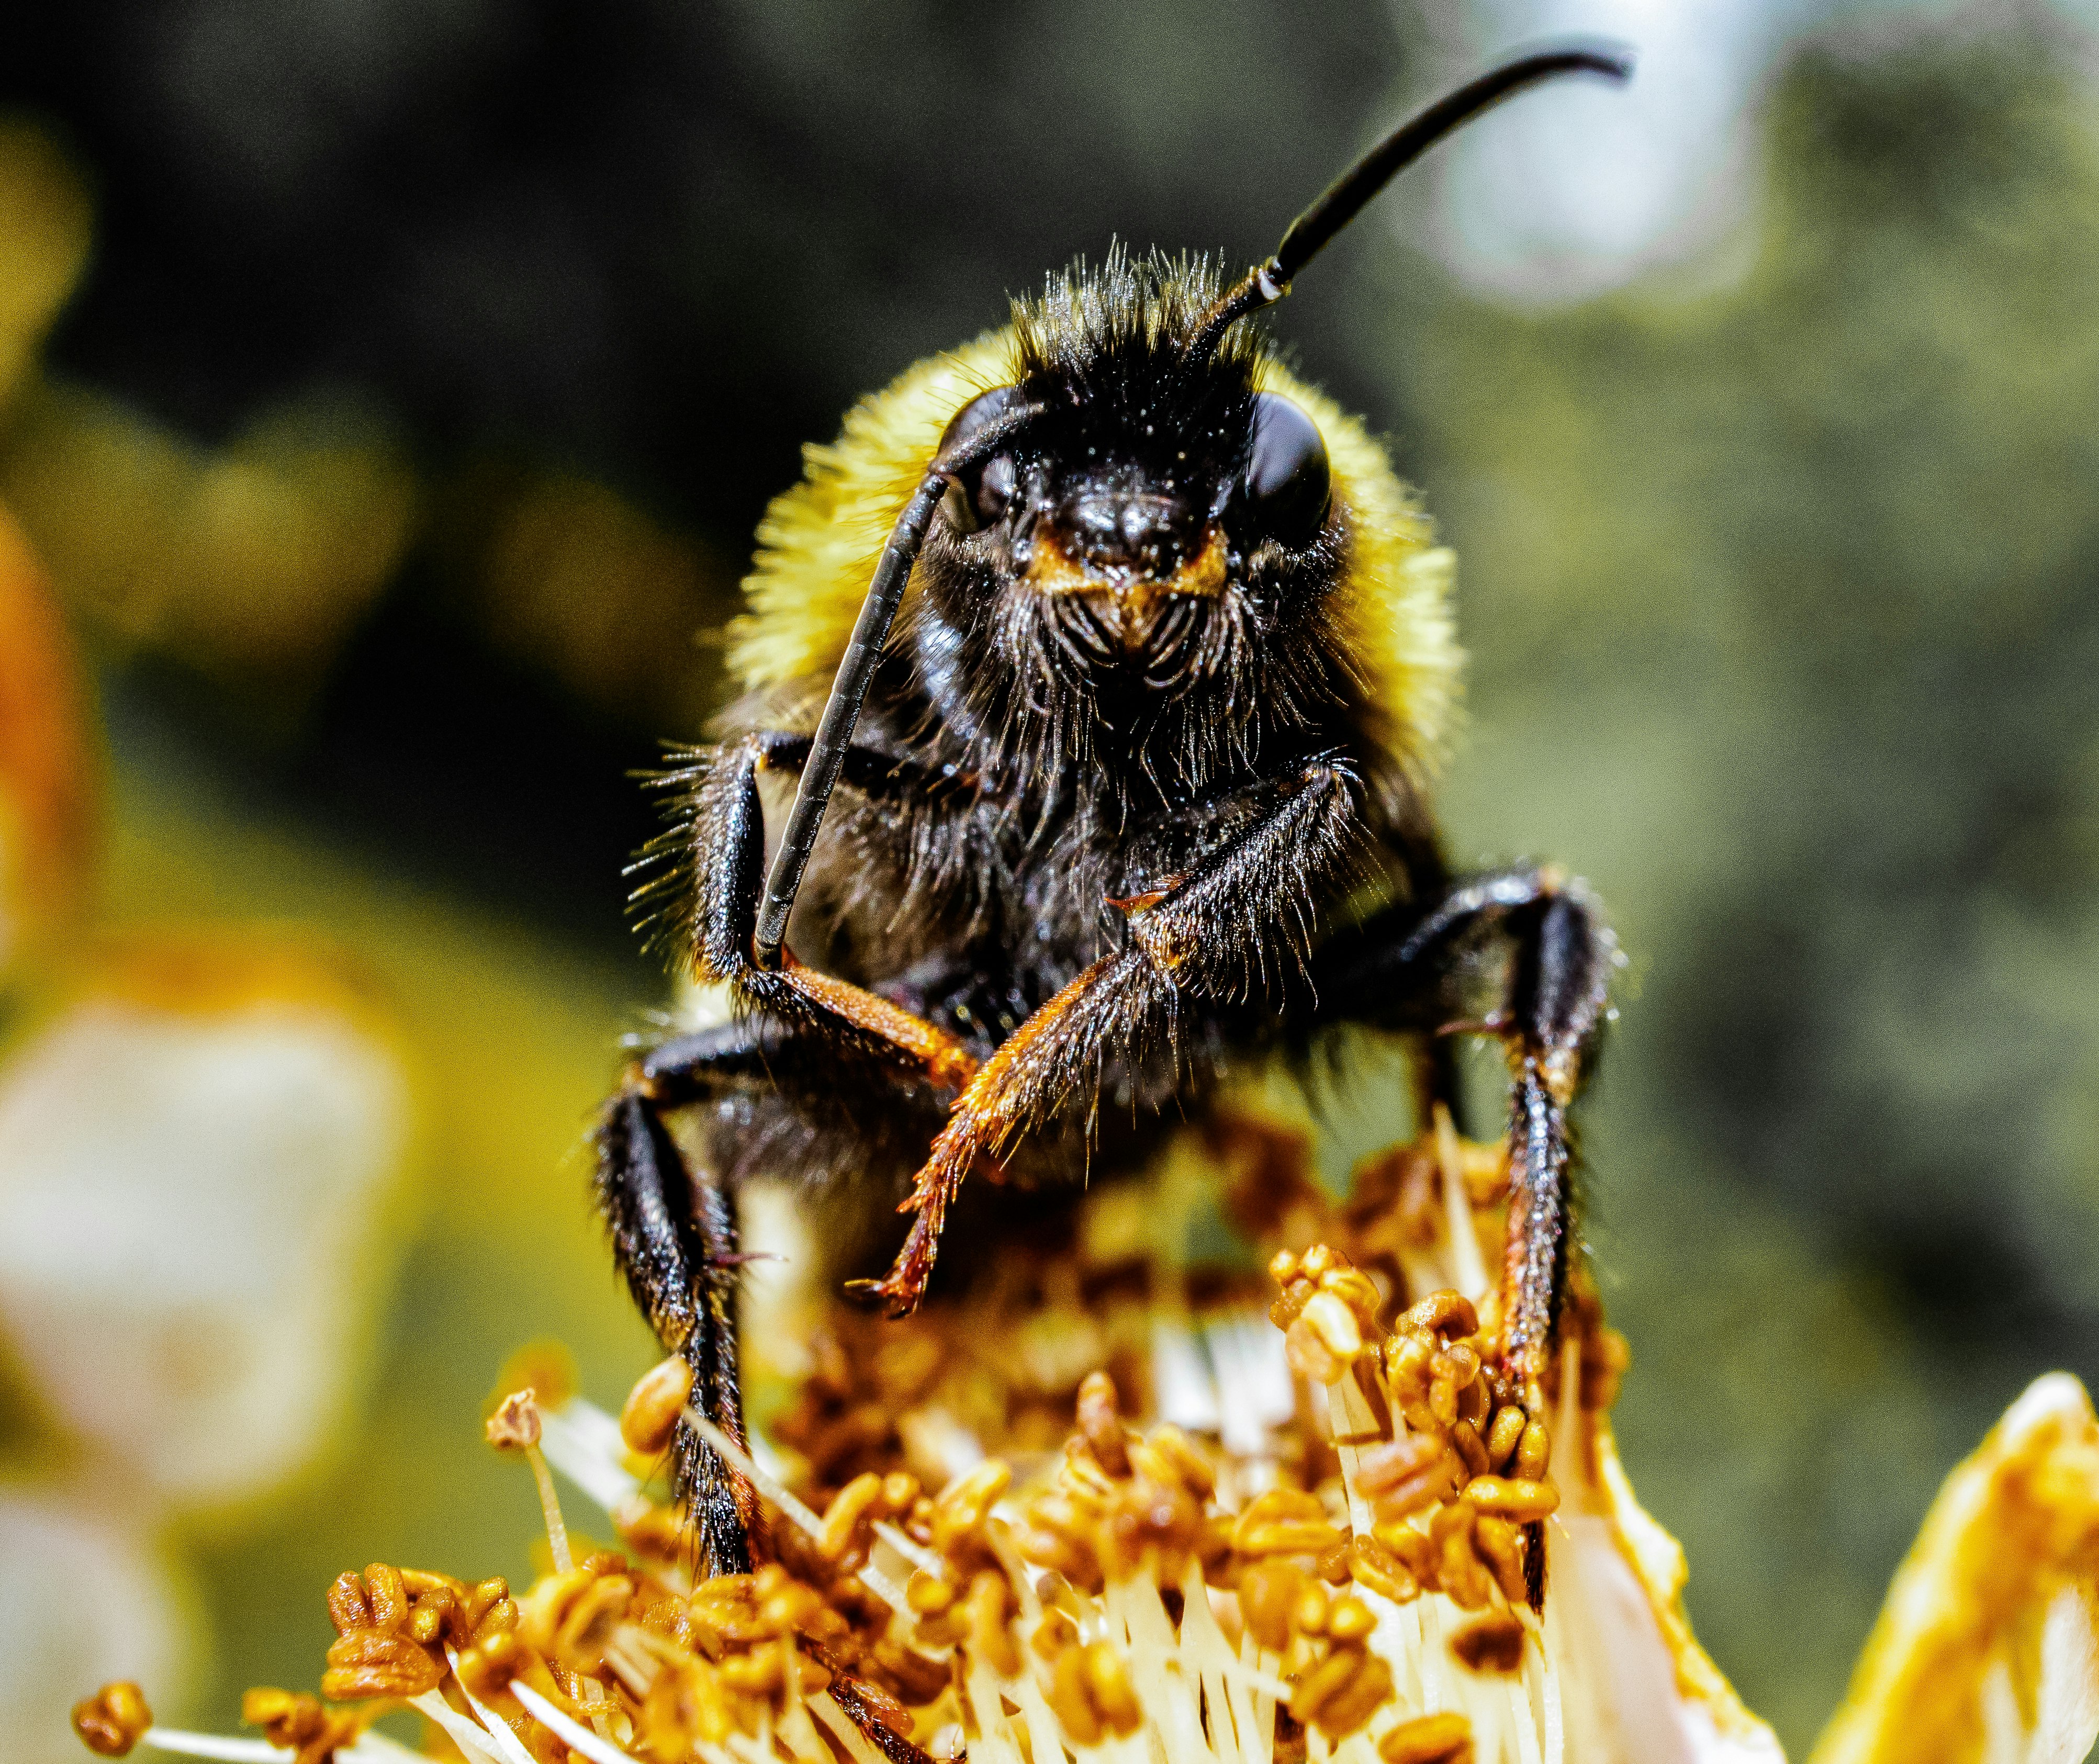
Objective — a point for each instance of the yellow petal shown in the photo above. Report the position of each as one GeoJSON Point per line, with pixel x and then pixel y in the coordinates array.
{"type": "Point", "coordinates": [1985, 1649]}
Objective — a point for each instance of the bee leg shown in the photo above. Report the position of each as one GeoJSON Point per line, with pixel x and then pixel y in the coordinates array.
{"type": "Point", "coordinates": [1042, 1058]}
{"type": "Point", "coordinates": [1211, 932]}
{"type": "Point", "coordinates": [673, 1220]}
{"type": "Point", "coordinates": [727, 856]}
{"type": "Point", "coordinates": [1404, 969]}
{"type": "Point", "coordinates": [674, 1239]}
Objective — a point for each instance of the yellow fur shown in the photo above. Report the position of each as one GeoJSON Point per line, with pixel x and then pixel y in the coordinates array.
{"type": "Point", "coordinates": [819, 543]}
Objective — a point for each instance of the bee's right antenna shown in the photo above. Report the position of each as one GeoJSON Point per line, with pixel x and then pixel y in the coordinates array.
{"type": "Point", "coordinates": [834, 732]}
{"type": "Point", "coordinates": [1348, 194]}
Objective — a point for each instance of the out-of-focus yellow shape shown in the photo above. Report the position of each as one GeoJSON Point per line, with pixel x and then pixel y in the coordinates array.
{"type": "Point", "coordinates": [45, 223]}
{"type": "Point", "coordinates": [1985, 1652]}
{"type": "Point", "coordinates": [84, 1598]}
{"type": "Point", "coordinates": [543, 1366]}
{"type": "Point", "coordinates": [197, 1153]}
{"type": "Point", "coordinates": [47, 793]}
{"type": "Point", "coordinates": [251, 561]}
{"type": "Point", "coordinates": [580, 584]}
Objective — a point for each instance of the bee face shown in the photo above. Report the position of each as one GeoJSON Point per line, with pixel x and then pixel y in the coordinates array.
{"type": "Point", "coordinates": [1130, 541]}
{"type": "Point", "coordinates": [1170, 565]}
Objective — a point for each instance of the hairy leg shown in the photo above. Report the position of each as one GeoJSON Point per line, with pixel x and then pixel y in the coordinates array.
{"type": "Point", "coordinates": [673, 1219]}
{"type": "Point", "coordinates": [719, 852]}
{"type": "Point", "coordinates": [1212, 933]}
{"type": "Point", "coordinates": [1414, 967]}
{"type": "Point", "coordinates": [674, 1239]}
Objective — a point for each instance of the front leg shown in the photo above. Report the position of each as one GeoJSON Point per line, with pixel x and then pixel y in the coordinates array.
{"type": "Point", "coordinates": [1237, 926]}
{"type": "Point", "coordinates": [755, 1094]}
{"type": "Point", "coordinates": [674, 1228]}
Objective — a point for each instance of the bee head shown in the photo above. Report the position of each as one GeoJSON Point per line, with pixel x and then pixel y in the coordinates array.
{"type": "Point", "coordinates": [1156, 516]}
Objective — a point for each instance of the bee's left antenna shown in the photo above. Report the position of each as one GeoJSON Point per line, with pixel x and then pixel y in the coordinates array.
{"type": "Point", "coordinates": [834, 731]}
{"type": "Point", "coordinates": [1347, 195]}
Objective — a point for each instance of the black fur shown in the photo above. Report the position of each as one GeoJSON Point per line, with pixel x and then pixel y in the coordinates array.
{"type": "Point", "coordinates": [1029, 691]}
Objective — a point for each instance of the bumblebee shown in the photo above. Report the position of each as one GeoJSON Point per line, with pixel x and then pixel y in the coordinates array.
{"type": "Point", "coordinates": [1131, 656]}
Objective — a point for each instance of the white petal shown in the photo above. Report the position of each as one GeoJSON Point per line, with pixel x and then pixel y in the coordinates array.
{"type": "Point", "coordinates": [2068, 1719]}
{"type": "Point", "coordinates": [184, 1200]}
{"type": "Point", "coordinates": [84, 1599]}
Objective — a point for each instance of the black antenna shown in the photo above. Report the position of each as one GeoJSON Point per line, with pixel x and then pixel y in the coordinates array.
{"type": "Point", "coordinates": [834, 732]}
{"type": "Point", "coordinates": [1350, 193]}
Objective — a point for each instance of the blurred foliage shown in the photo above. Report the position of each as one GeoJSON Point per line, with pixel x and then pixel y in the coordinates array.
{"type": "Point", "coordinates": [1785, 609]}
{"type": "Point", "coordinates": [45, 223]}
{"type": "Point", "coordinates": [426, 382]}
{"type": "Point", "coordinates": [576, 584]}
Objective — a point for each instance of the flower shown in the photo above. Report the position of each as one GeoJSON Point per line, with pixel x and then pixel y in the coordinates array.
{"type": "Point", "coordinates": [1362, 1549]}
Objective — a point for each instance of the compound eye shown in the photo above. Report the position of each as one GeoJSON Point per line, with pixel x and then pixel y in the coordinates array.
{"type": "Point", "coordinates": [981, 494]}
{"type": "Point", "coordinates": [984, 492]}
{"type": "Point", "coordinates": [1286, 484]}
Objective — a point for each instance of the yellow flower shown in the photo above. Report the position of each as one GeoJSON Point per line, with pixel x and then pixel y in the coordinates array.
{"type": "Point", "coordinates": [1382, 1553]}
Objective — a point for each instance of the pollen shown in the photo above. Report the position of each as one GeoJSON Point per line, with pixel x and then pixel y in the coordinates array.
{"type": "Point", "coordinates": [114, 1720]}
{"type": "Point", "coordinates": [1008, 1526]}
{"type": "Point", "coordinates": [1306, 1519]}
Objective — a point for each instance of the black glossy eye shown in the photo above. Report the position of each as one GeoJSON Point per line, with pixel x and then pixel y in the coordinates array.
{"type": "Point", "coordinates": [980, 496]}
{"type": "Point", "coordinates": [1286, 484]}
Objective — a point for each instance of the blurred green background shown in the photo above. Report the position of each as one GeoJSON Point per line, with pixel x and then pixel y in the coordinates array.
{"type": "Point", "coordinates": [393, 388]}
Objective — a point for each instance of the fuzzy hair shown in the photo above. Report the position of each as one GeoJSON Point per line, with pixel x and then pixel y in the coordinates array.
{"type": "Point", "coordinates": [819, 540]}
